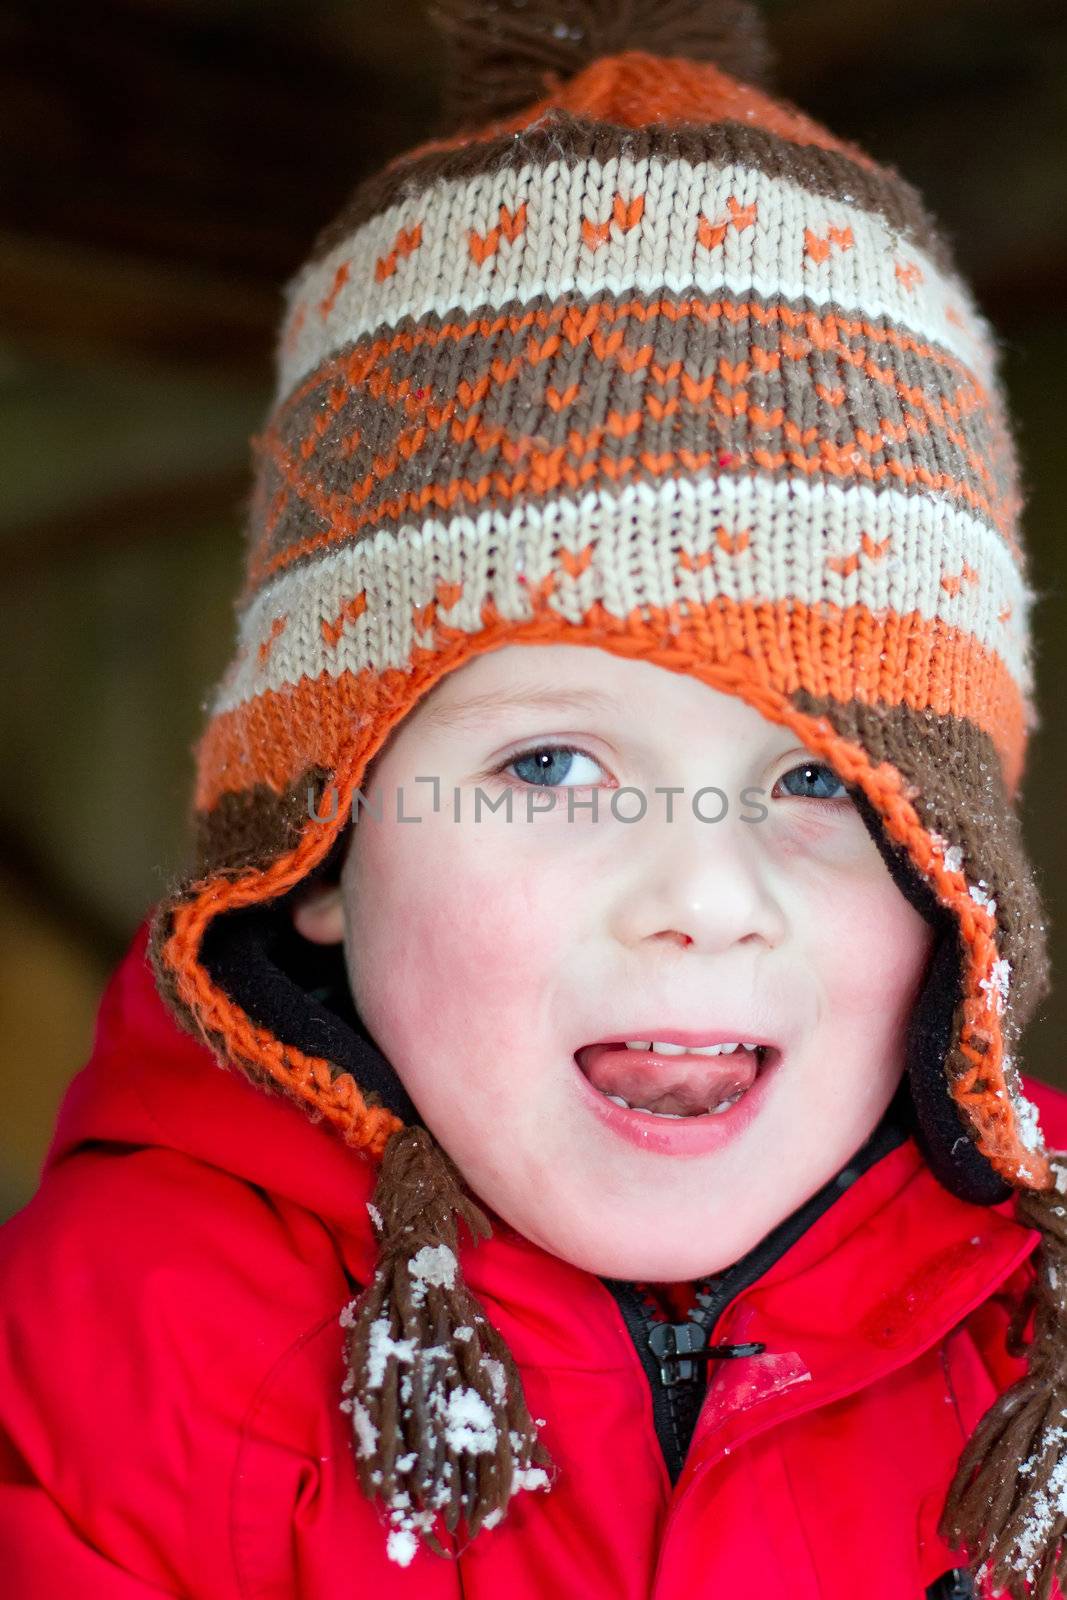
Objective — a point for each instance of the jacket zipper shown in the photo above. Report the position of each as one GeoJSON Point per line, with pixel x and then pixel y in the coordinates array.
{"type": "Point", "coordinates": [679, 1384]}
{"type": "Point", "coordinates": [639, 1327]}
{"type": "Point", "coordinates": [676, 1357]}
{"type": "Point", "coordinates": [956, 1584]}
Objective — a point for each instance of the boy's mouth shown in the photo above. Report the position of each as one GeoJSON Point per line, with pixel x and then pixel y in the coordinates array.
{"type": "Point", "coordinates": [680, 1080]}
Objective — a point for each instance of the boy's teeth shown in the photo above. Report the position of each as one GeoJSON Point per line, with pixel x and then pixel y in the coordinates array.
{"type": "Point", "coordinates": [677, 1116]}
{"type": "Point", "coordinates": [661, 1048]}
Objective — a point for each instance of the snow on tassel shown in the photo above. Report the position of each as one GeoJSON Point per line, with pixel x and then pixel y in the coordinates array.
{"type": "Point", "coordinates": [439, 1419]}
{"type": "Point", "coordinates": [1007, 1504]}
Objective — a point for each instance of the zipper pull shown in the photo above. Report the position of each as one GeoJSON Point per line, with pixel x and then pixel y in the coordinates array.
{"type": "Point", "coordinates": [680, 1345]}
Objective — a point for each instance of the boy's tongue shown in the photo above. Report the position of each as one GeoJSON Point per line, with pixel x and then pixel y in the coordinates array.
{"type": "Point", "coordinates": [686, 1084]}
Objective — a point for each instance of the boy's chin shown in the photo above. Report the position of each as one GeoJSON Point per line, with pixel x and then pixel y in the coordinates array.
{"type": "Point", "coordinates": [632, 1250]}
{"type": "Point", "coordinates": [631, 1263]}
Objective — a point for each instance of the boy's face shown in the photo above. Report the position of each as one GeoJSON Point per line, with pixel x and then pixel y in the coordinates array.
{"type": "Point", "coordinates": [484, 954]}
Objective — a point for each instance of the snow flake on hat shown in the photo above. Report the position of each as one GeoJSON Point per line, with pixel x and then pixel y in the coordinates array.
{"type": "Point", "coordinates": [1026, 1120]}
{"type": "Point", "coordinates": [469, 1424]}
{"type": "Point", "coordinates": [952, 857]}
{"type": "Point", "coordinates": [997, 984]}
{"type": "Point", "coordinates": [364, 1428]}
{"type": "Point", "coordinates": [951, 854]}
{"type": "Point", "coordinates": [495, 1370]}
{"type": "Point", "coordinates": [979, 893]}
{"type": "Point", "coordinates": [403, 1541]}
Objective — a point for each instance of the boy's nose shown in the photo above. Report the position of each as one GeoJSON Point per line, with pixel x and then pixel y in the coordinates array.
{"type": "Point", "coordinates": [695, 892]}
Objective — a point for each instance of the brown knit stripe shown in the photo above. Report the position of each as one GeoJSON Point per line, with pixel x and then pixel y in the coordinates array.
{"type": "Point", "coordinates": [425, 421]}
{"type": "Point", "coordinates": [269, 822]}
{"type": "Point", "coordinates": [661, 318]}
{"type": "Point", "coordinates": [250, 828]}
{"type": "Point", "coordinates": [573, 140]}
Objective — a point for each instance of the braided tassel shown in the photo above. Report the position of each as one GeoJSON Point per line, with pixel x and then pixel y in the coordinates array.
{"type": "Point", "coordinates": [438, 1411]}
{"type": "Point", "coordinates": [1012, 1517]}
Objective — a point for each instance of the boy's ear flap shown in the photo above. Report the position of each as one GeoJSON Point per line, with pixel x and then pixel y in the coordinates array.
{"type": "Point", "coordinates": [947, 1146]}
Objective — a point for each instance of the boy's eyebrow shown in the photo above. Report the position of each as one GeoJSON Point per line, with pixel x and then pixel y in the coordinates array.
{"type": "Point", "coordinates": [548, 698]}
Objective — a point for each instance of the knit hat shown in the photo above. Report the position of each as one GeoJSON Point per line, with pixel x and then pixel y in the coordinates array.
{"type": "Point", "coordinates": [638, 357]}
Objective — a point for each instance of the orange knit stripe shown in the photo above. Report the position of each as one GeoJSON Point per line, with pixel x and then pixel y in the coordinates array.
{"type": "Point", "coordinates": [927, 664]}
{"type": "Point", "coordinates": [634, 89]}
{"type": "Point", "coordinates": [979, 1089]}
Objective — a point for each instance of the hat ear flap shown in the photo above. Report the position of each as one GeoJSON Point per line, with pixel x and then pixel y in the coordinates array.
{"type": "Point", "coordinates": [946, 1143]}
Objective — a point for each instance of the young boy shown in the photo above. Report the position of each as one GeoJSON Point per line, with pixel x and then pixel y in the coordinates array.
{"type": "Point", "coordinates": [610, 909]}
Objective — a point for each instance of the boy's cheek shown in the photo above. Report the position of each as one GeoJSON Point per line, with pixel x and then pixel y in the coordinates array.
{"type": "Point", "coordinates": [469, 913]}
{"type": "Point", "coordinates": [466, 964]}
{"type": "Point", "coordinates": [874, 950]}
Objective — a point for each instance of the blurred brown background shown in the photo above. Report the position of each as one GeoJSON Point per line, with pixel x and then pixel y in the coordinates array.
{"type": "Point", "coordinates": [165, 165]}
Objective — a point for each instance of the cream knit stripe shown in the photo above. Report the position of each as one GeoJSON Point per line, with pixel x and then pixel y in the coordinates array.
{"type": "Point", "coordinates": [794, 245]}
{"type": "Point", "coordinates": [750, 539]}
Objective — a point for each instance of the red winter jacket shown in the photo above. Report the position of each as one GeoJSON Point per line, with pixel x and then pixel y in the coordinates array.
{"type": "Point", "coordinates": [171, 1370]}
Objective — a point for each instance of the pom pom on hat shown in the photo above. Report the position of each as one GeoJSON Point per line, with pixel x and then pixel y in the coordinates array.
{"type": "Point", "coordinates": [504, 54]}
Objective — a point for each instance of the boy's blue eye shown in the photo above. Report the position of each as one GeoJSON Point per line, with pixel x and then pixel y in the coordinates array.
{"type": "Point", "coordinates": [817, 782]}
{"type": "Point", "coordinates": [548, 764]}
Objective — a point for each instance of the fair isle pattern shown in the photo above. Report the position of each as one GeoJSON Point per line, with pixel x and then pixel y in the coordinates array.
{"type": "Point", "coordinates": [473, 246]}
{"type": "Point", "coordinates": [443, 417]}
{"type": "Point", "coordinates": [695, 113]}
